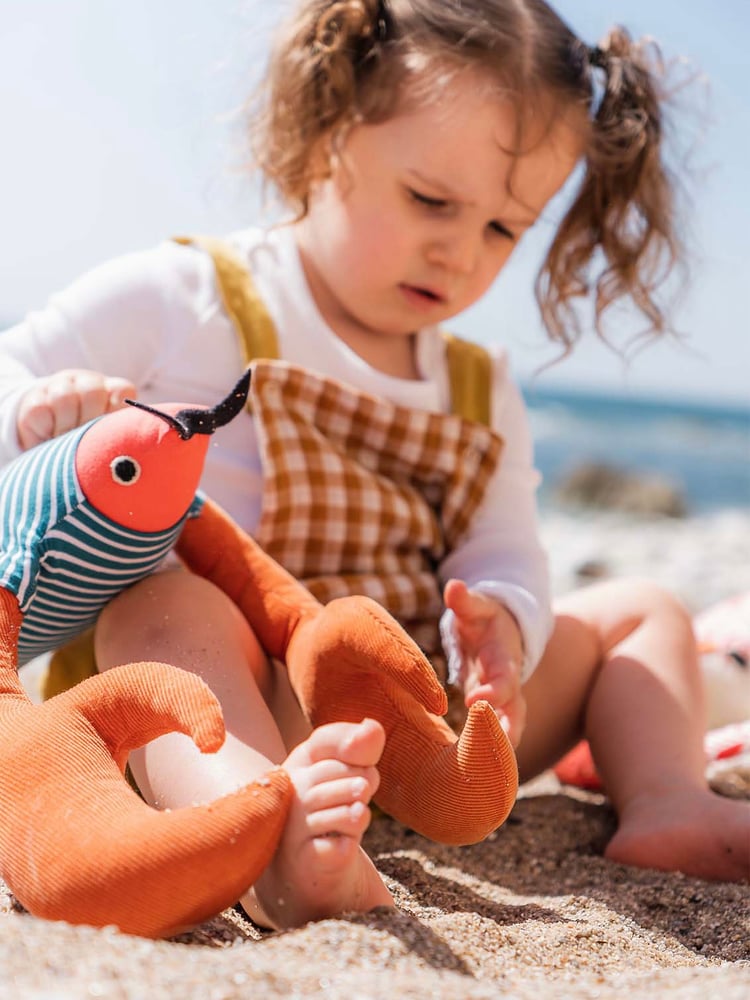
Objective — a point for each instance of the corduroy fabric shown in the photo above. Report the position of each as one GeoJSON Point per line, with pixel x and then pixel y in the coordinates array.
{"type": "Point", "coordinates": [349, 660]}
{"type": "Point", "coordinates": [77, 843]}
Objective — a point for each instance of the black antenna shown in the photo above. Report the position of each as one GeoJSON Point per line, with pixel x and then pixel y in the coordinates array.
{"type": "Point", "coordinates": [196, 421]}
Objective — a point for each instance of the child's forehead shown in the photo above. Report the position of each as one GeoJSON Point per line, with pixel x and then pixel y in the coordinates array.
{"type": "Point", "coordinates": [471, 110]}
{"type": "Point", "coordinates": [449, 93]}
{"type": "Point", "coordinates": [430, 80]}
{"type": "Point", "coordinates": [467, 152]}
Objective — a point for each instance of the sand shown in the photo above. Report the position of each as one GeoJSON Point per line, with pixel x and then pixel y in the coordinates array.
{"type": "Point", "coordinates": [534, 911]}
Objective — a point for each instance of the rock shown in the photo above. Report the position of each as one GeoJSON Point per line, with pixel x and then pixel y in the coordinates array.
{"type": "Point", "coordinates": [596, 484]}
{"type": "Point", "coordinates": [591, 570]}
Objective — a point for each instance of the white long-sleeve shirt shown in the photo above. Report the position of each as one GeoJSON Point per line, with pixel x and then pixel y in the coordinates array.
{"type": "Point", "coordinates": [156, 318]}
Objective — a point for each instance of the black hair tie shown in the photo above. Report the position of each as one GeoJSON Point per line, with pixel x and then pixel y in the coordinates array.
{"type": "Point", "coordinates": [382, 22]}
{"type": "Point", "coordinates": [597, 57]}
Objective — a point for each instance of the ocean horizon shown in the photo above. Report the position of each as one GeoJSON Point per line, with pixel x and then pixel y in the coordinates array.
{"type": "Point", "coordinates": [701, 447]}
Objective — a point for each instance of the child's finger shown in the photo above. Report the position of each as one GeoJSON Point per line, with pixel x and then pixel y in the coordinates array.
{"type": "Point", "coordinates": [36, 422]}
{"type": "Point", "coordinates": [64, 407]}
{"type": "Point", "coordinates": [99, 394]}
{"type": "Point", "coordinates": [469, 607]}
{"type": "Point", "coordinates": [500, 665]}
{"type": "Point", "coordinates": [498, 689]}
{"type": "Point", "coordinates": [482, 692]}
{"type": "Point", "coordinates": [454, 594]}
{"type": "Point", "coordinates": [118, 390]}
{"type": "Point", "coordinates": [65, 400]}
{"type": "Point", "coordinates": [92, 398]}
{"type": "Point", "coordinates": [515, 719]}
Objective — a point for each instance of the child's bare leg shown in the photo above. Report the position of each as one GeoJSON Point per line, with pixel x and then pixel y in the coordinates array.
{"type": "Point", "coordinates": [176, 618]}
{"type": "Point", "coordinates": [179, 618]}
{"type": "Point", "coordinates": [622, 670]}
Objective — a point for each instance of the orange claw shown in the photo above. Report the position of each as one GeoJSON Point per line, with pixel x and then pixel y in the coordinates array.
{"type": "Point", "coordinates": [78, 844]}
{"type": "Point", "coordinates": [350, 660]}
{"type": "Point", "coordinates": [354, 661]}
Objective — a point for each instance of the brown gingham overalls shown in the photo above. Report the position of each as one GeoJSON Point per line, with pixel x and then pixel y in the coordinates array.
{"type": "Point", "coordinates": [360, 495]}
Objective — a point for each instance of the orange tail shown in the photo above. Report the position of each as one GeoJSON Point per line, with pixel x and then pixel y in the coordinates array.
{"type": "Point", "coordinates": [272, 600]}
{"type": "Point", "coordinates": [77, 844]}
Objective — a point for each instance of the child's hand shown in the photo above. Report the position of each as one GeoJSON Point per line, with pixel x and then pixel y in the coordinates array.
{"type": "Point", "coordinates": [492, 651]}
{"type": "Point", "coordinates": [58, 403]}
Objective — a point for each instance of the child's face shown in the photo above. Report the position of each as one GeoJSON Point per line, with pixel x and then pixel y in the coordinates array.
{"type": "Point", "coordinates": [417, 219]}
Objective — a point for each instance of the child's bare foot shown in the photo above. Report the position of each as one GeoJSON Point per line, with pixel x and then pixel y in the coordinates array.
{"type": "Point", "coordinates": [320, 868]}
{"type": "Point", "coordinates": [692, 831]}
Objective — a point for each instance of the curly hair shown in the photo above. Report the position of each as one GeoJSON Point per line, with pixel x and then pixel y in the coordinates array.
{"type": "Point", "coordinates": [338, 63]}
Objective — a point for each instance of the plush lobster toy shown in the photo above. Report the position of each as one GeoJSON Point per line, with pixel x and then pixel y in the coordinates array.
{"type": "Point", "coordinates": [84, 516]}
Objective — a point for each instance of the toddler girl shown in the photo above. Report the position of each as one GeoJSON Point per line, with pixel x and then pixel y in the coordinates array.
{"type": "Point", "coordinates": [414, 142]}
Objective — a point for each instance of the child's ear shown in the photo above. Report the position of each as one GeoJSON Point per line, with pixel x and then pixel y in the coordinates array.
{"type": "Point", "coordinates": [325, 157]}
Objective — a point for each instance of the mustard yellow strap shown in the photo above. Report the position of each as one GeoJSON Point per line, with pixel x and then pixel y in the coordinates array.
{"type": "Point", "coordinates": [240, 299]}
{"type": "Point", "coordinates": [469, 365]}
{"type": "Point", "coordinates": [470, 376]}
{"type": "Point", "coordinates": [69, 665]}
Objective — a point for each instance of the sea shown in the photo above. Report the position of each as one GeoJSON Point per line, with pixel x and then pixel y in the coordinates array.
{"type": "Point", "coordinates": [701, 448]}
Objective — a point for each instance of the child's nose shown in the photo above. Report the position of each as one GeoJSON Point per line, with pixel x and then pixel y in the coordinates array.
{"type": "Point", "coordinates": [456, 252]}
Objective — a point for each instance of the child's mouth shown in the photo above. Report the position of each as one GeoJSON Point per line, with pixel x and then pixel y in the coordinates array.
{"type": "Point", "coordinates": [421, 295]}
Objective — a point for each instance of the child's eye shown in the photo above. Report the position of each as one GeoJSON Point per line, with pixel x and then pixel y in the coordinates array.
{"type": "Point", "coordinates": [424, 199]}
{"type": "Point", "coordinates": [501, 230]}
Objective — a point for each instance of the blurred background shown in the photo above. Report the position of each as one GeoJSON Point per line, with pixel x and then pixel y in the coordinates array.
{"type": "Point", "coordinates": [122, 125]}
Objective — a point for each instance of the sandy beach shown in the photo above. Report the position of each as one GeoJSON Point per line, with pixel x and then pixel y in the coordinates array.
{"type": "Point", "coordinates": [534, 911]}
{"type": "Point", "coordinates": [701, 559]}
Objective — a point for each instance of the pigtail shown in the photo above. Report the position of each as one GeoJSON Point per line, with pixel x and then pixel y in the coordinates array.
{"type": "Point", "coordinates": [314, 90]}
{"type": "Point", "coordinates": [624, 213]}
{"type": "Point", "coordinates": [345, 39]}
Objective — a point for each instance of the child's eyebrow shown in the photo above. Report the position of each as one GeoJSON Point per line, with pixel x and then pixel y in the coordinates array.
{"type": "Point", "coordinates": [438, 185]}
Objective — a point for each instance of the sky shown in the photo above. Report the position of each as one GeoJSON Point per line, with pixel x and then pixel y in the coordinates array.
{"type": "Point", "coordinates": [122, 125]}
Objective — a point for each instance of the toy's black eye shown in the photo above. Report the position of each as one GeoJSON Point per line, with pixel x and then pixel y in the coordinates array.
{"type": "Point", "coordinates": [125, 470]}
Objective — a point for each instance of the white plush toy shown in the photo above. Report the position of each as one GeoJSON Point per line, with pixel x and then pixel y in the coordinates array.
{"type": "Point", "coordinates": [723, 634]}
